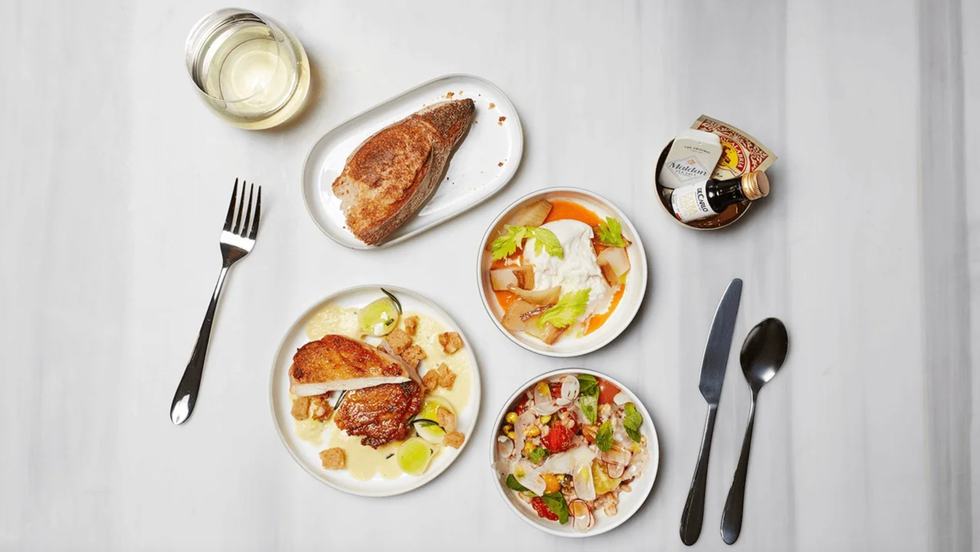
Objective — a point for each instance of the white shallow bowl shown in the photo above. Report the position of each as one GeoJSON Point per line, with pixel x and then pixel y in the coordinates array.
{"type": "Point", "coordinates": [629, 502]}
{"type": "Point", "coordinates": [307, 455]}
{"type": "Point", "coordinates": [636, 280]}
{"type": "Point", "coordinates": [483, 163]}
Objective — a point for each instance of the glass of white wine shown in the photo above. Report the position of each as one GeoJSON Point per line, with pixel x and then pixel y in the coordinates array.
{"type": "Point", "coordinates": [248, 68]}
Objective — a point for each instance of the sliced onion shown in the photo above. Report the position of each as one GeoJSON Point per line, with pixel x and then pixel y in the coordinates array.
{"type": "Point", "coordinates": [584, 485]}
{"type": "Point", "coordinates": [533, 215]}
{"type": "Point", "coordinates": [519, 426]}
{"type": "Point", "coordinates": [621, 398]}
{"type": "Point", "coordinates": [615, 460]}
{"type": "Point", "coordinates": [527, 475]}
{"type": "Point", "coordinates": [544, 404]}
{"type": "Point", "coordinates": [519, 276]}
{"type": "Point", "coordinates": [548, 296]}
{"type": "Point", "coordinates": [582, 518]}
{"type": "Point", "coordinates": [504, 446]}
{"type": "Point", "coordinates": [616, 258]}
{"type": "Point", "coordinates": [569, 388]}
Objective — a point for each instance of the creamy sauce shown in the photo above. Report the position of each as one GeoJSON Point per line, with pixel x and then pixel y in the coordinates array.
{"type": "Point", "coordinates": [363, 462]}
{"type": "Point", "coordinates": [577, 268]}
{"type": "Point", "coordinates": [333, 320]}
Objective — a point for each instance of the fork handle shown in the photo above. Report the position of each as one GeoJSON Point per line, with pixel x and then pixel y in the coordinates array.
{"type": "Point", "coordinates": [190, 382]}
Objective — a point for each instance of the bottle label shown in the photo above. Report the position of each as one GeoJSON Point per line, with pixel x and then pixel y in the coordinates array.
{"type": "Point", "coordinates": [691, 202]}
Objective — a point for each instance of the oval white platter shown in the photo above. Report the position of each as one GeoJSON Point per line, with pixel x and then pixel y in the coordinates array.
{"type": "Point", "coordinates": [306, 454]}
{"type": "Point", "coordinates": [482, 165]}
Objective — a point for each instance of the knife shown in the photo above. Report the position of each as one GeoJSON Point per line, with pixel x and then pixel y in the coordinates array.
{"type": "Point", "coordinates": [713, 367]}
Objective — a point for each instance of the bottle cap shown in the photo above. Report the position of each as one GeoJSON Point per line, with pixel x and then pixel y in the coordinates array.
{"type": "Point", "coordinates": [755, 185]}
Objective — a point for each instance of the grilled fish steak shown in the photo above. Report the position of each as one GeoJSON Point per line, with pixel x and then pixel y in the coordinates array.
{"type": "Point", "coordinates": [392, 174]}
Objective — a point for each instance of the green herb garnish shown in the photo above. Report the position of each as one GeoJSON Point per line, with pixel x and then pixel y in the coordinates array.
{"type": "Point", "coordinates": [588, 396]}
{"type": "Point", "coordinates": [398, 304]}
{"type": "Point", "coordinates": [556, 503]}
{"type": "Point", "coordinates": [566, 310]}
{"type": "Point", "coordinates": [632, 422]}
{"type": "Point", "coordinates": [514, 485]}
{"type": "Point", "coordinates": [611, 233]}
{"type": "Point", "coordinates": [538, 454]}
{"type": "Point", "coordinates": [340, 398]}
{"type": "Point", "coordinates": [509, 243]}
{"type": "Point", "coordinates": [604, 438]}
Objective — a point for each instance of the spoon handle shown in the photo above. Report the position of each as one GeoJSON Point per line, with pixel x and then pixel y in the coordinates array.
{"type": "Point", "coordinates": [693, 513]}
{"type": "Point", "coordinates": [731, 517]}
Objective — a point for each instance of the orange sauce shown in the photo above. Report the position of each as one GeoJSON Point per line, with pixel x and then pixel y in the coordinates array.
{"type": "Point", "coordinates": [563, 210]}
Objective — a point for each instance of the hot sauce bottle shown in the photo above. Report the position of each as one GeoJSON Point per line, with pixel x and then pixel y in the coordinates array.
{"type": "Point", "coordinates": [709, 197]}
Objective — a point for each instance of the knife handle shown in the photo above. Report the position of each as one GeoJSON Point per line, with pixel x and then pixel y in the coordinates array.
{"type": "Point", "coordinates": [694, 507]}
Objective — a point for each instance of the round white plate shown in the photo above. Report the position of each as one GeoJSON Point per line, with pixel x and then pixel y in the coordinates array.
{"type": "Point", "coordinates": [482, 165]}
{"type": "Point", "coordinates": [307, 455]}
{"type": "Point", "coordinates": [629, 502]}
{"type": "Point", "coordinates": [636, 280]}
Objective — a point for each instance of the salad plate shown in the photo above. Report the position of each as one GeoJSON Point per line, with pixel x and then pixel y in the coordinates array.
{"type": "Point", "coordinates": [482, 165]}
{"type": "Point", "coordinates": [574, 453]}
{"type": "Point", "coordinates": [377, 470]}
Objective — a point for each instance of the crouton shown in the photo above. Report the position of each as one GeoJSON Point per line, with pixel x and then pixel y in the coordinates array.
{"type": "Point", "coordinates": [430, 380]}
{"type": "Point", "coordinates": [454, 439]}
{"type": "Point", "coordinates": [413, 355]}
{"type": "Point", "coordinates": [446, 376]}
{"type": "Point", "coordinates": [321, 408]}
{"type": "Point", "coordinates": [411, 325]}
{"type": "Point", "coordinates": [446, 419]}
{"type": "Point", "coordinates": [333, 458]}
{"type": "Point", "coordinates": [451, 342]}
{"type": "Point", "coordinates": [301, 408]}
{"type": "Point", "coordinates": [399, 341]}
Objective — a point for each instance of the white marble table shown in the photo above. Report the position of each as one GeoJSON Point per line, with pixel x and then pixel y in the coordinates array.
{"type": "Point", "coordinates": [114, 178]}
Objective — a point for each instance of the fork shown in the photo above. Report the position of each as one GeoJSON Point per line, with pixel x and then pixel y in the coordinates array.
{"type": "Point", "coordinates": [237, 241]}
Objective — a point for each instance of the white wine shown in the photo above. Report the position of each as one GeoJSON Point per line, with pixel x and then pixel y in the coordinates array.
{"type": "Point", "coordinates": [252, 72]}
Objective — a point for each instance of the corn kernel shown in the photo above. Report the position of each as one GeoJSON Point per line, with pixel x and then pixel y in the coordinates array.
{"type": "Point", "coordinates": [552, 484]}
{"type": "Point", "coordinates": [511, 417]}
{"type": "Point", "coordinates": [545, 419]}
{"type": "Point", "coordinates": [512, 435]}
{"type": "Point", "coordinates": [528, 448]}
{"type": "Point", "coordinates": [508, 428]}
{"type": "Point", "coordinates": [532, 431]}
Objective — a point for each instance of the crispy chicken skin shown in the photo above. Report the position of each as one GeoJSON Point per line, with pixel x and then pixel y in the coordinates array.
{"type": "Point", "coordinates": [379, 414]}
{"type": "Point", "coordinates": [338, 362]}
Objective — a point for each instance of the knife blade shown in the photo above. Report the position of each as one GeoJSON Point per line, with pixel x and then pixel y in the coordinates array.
{"type": "Point", "coordinates": [713, 366]}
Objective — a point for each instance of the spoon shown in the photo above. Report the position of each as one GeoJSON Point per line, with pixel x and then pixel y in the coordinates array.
{"type": "Point", "coordinates": [762, 355]}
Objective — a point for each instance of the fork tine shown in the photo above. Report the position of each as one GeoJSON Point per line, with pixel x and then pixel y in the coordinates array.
{"type": "Point", "coordinates": [258, 209]}
{"type": "Point", "coordinates": [241, 204]}
{"type": "Point", "coordinates": [231, 208]}
{"type": "Point", "coordinates": [248, 211]}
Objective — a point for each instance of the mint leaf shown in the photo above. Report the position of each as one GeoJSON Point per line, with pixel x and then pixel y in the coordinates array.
{"type": "Point", "coordinates": [514, 485]}
{"type": "Point", "coordinates": [611, 233]}
{"type": "Point", "coordinates": [538, 454]}
{"type": "Point", "coordinates": [566, 310]}
{"type": "Point", "coordinates": [632, 422]}
{"type": "Point", "coordinates": [604, 438]}
{"type": "Point", "coordinates": [556, 503]}
{"type": "Point", "coordinates": [588, 385]}
{"type": "Point", "coordinates": [590, 406]}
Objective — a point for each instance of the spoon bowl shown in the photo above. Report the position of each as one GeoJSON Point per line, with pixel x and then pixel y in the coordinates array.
{"type": "Point", "coordinates": [763, 352]}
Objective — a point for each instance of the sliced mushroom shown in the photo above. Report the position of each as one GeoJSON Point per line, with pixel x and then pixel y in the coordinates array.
{"type": "Point", "coordinates": [521, 277]}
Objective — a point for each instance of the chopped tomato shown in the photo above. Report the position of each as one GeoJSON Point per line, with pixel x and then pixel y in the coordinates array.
{"type": "Point", "coordinates": [607, 392]}
{"type": "Point", "coordinates": [542, 509]}
{"type": "Point", "coordinates": [521, 408]}
{"type": "Point", "coordinates": [559, 439]}
{"type": "Point", "coordinates": [555, 389]}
